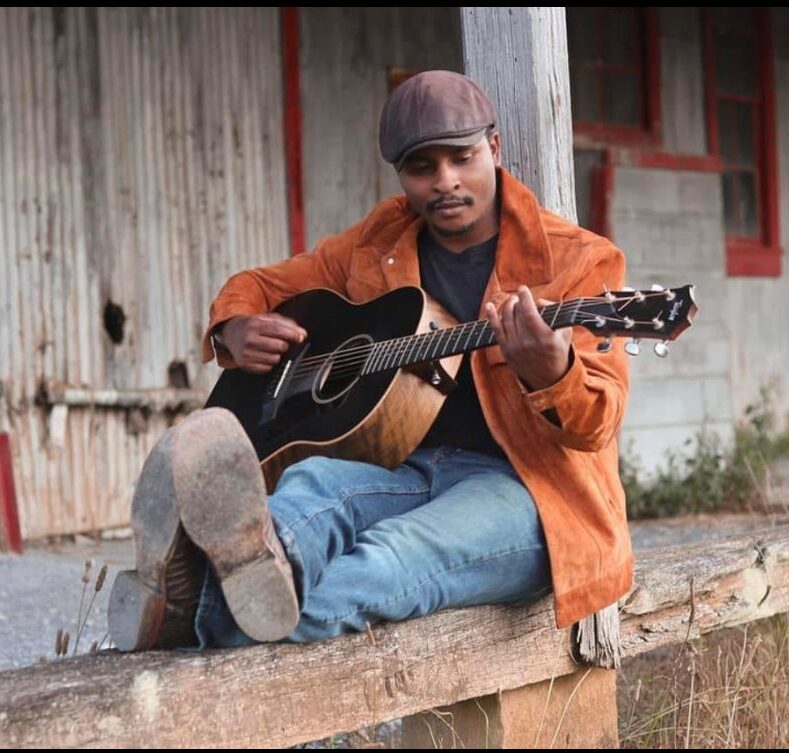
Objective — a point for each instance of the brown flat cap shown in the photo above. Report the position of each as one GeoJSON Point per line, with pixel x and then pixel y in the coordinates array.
{"type": "Point", "coordinates": [434, 107]}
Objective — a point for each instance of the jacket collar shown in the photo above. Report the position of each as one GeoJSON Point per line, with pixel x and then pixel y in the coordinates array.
{"type": "Point", "coordinates": [523, 256]}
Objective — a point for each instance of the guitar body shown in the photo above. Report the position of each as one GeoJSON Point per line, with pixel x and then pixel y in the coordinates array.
{"type": "Point", "coordinates": [324, 406]}
{"type": "Point", "coordinates": [370, 378]}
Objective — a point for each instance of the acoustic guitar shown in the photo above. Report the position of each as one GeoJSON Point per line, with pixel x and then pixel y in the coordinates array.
{"type": "Point", "coordinates": [370, 378]}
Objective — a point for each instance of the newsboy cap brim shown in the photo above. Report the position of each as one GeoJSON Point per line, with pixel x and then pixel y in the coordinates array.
{"type": "Point", "coordinates": [454, 141]}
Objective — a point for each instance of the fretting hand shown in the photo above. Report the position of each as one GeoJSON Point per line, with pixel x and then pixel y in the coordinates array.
{"type": "Point", "coordinates": [538, 354]}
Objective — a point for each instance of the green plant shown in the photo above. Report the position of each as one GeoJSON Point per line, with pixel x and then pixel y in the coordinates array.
{"type": "Point", "coordinates": [711, 476]}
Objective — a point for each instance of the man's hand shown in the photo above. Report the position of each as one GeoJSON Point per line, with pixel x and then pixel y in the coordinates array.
{"type": "Point", "coordinates": [258, 342]}
{"type": "Point", "coordinates": [538, 354]}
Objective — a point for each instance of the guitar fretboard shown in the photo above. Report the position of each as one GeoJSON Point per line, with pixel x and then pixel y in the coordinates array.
{"type": "Point", "coordinates": [429, 346]}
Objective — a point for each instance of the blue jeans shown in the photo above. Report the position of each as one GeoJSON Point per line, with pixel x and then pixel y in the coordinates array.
{"type": "Point", "coordinates": [447, 528]}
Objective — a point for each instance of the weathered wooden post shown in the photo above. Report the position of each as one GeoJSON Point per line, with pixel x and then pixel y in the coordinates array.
{"type": "Point", "coordinates": [519, 58]}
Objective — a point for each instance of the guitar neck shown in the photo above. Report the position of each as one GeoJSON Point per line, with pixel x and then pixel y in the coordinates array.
{"type": "Point", "coordinates": [659, 313]}
{"type": "Point", "coordinates": [463, 338]}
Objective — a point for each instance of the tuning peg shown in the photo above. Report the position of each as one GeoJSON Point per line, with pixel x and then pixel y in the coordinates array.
{"type": "Point", "coordinates": [657, 288]}
{"type": "Point", "coordinates": [661, 348]}
{"type": "Point", "coordinates": [604, 345]}
{"type": "Point", "coordinates": [632, 348]}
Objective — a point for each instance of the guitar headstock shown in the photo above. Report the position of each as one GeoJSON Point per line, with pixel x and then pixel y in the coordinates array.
{"type": "Point", "coordinates": [657, 314]}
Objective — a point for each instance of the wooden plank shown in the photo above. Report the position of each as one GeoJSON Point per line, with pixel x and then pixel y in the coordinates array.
{"type": "Point", "coordinates": [574, 711]}
{"type": "Point", "coordinates": [529, 83]}
{"type": "Point", "coordinates": [527, 78]}
{"type": "Point", "coordinates": [283, 694]}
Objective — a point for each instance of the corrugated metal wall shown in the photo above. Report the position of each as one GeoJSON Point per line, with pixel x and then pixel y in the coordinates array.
{"type": "Point", "coordinates": [141, 163]}
{"type": "Point", "coordinates": [345, 56]}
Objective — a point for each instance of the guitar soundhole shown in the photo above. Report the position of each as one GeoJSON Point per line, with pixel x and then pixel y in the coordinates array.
{"type": "Point", "coordinates": [342, 369]}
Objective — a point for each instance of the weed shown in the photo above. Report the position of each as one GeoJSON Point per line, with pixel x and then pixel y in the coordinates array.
{"type": "Point", "coordinates": [711, 476]}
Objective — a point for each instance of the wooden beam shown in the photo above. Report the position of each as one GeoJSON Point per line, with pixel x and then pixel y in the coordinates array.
{"type": "Point", "coordinates": [283, 694]}
{"type": "Point", "coordinates": [157, 399]}
{"type": "Point", "coordinates": [526, 75]}
{"type": "Point", "coordinates": [574, 711]}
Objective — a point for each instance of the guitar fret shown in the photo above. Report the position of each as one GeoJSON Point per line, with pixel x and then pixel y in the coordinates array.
{"type": "Point", "coordinates": [576, 310]}
{"type": "Point", "coordinates": [437, 335]}
{"type": "Point", "coordinates": [381, 356]}
{"type": "Point", "coordinates": [410, 352]}
{"type": "Point", "coordinates": [470, 332]}
{"type": "Point", "coordinates": [389, 355]}
{"type": "Point", "coordinates": [400, 351]}
{"type": "Point", "coordinates": [425, 340]}
{"type": "Point", "coordinates": [456, 332]}
{"type": "Point", "coordinates": [367, 359]}
{"type": "Point", "coordinates": [479, 336]}
{"type": "Point", "coordinates": [556, 315]}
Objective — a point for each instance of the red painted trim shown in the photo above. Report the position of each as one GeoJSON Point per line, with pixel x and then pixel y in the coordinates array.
{"type": "Point", "coordinates": [289, 22]}
{"type": "Point", "coordinates": [750, 260]}
{"type": "Point", "coordinates": [665, 161]}
{"type": "Point", "coordinates": [649, 134]}
{"type": "Point", "coordinates": [747, 256]}
{"type": "Point", "coordinates": [602, 134]}
{"type": "Point", "coordinates": [10, 535]}
{"type": "Point", "coordinates": [602, 178]}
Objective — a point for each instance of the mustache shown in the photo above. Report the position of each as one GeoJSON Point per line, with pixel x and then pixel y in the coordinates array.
{"type": "Point", "coordinates": [467, 200]}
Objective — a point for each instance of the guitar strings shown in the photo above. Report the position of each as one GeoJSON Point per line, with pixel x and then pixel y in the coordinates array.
{"type": "Point", "coordinates": [547, 310]}
{"type": "Point", "coordinates": [399, 345]}
{"type": "Point", "coordinates": [576, 303]}
{"type": "Point", "coordinates": [348, 361]}
{"type": "Point", "coordinates": [343, 367]}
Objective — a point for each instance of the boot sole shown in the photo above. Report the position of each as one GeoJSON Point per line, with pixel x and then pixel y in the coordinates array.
{"type": "Point", "coordinates": [225, 515]}
{"type": "Point", "coordinates": [139, 616]}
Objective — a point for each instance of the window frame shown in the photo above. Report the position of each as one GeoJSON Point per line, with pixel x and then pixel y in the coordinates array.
{"type": "Point", "coordinates": [746, 256]}
{"type": "Point", "coordinates": [648, 134]}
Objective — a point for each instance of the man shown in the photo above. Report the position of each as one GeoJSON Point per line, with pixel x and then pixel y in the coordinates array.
{"type": "Point", "coordinates": [513, 491]}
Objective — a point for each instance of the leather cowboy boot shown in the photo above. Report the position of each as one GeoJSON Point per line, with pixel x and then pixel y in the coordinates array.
{"type": "Point", "coordinates": [154, 605]}
{"type": "Point", "coordinates": [202, 479]}
{"type": "Point", "coordinates": [223, 508]}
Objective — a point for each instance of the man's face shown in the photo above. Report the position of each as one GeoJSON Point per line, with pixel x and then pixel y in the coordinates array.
{"type": "Point", "coordinates": [454, 189]}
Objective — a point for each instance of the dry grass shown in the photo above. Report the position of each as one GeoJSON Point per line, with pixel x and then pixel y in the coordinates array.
{"type": "Point", "coordinates": [729, 689]}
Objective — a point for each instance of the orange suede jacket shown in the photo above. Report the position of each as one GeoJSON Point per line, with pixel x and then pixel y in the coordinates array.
{"type": "Point", "coordinates": [572, 470]}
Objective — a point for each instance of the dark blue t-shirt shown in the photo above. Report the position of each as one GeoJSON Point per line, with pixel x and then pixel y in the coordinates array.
{"type": "Point", "coordinates": [457, 281]}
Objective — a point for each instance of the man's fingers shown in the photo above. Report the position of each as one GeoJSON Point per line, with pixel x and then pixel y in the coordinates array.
{"type": "Point", "coordinates": [508, 316]}
{"type": "Point", "coordinates": [276, 325]}
{"type": "Point", "coordinates": [495, 321]}
{"type": "Point", "coordinates": [267, 344]}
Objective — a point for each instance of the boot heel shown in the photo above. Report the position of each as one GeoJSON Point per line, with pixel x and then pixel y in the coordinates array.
{"type": "Point", "coordinates": [135, 612]}
{"type": "Point", "coordinates": [261, 597]}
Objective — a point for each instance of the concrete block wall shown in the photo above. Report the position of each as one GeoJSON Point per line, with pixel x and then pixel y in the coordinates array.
{"type": "Point", "coordinates": [669, 224]}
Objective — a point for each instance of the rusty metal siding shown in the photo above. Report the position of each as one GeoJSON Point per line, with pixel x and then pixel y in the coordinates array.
{"type": "Point", "coordinates": [141, 163]}
{"type": "Point", "coordinates": [345, 56]}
